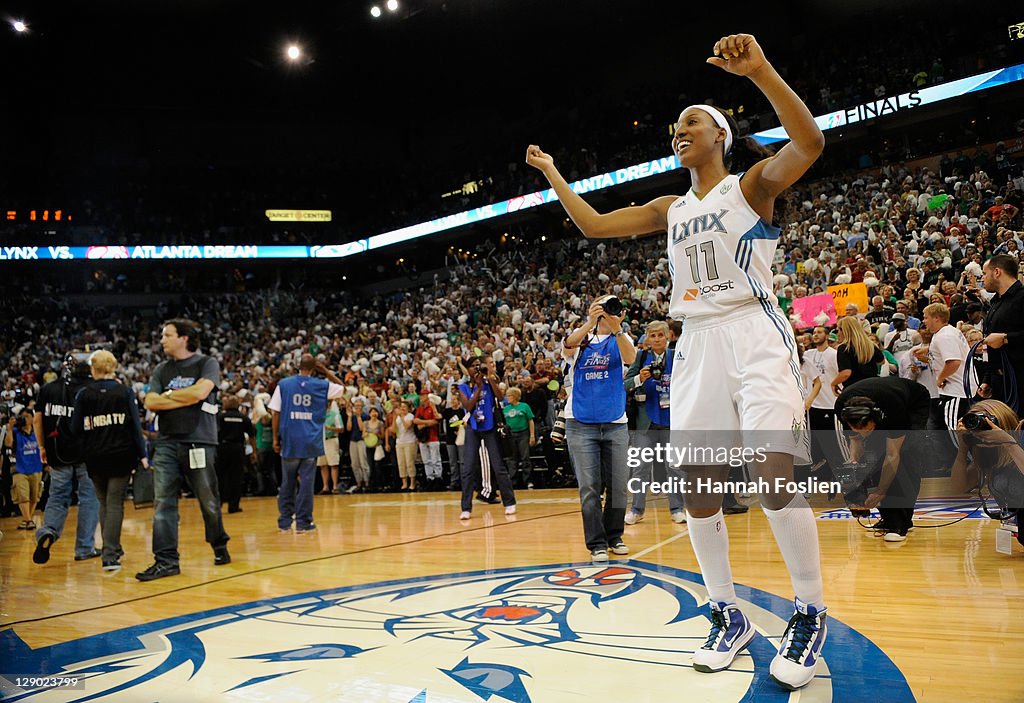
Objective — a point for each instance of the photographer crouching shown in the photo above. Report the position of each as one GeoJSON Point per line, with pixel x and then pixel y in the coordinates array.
{"type": "Point", "coordinates": [595, 423]}
{"type": "Point", "coordinates": [873, 410]}
{"type": "Point", "coordinates": [990, 454]}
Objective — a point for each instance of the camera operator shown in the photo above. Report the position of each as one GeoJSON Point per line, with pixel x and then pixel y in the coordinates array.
{"type": "Point", "coordinates": [595, 417]}
{"type": "Point", "coordinates": [877, 409]}
{"type": "Point", "coordinates": [648, 379]}
{"type": "Point", "coordinates": [28, 466]}
{"type": "Point", "coordinates": [990, 453]}
{"type": "Point", "coordinates": [62, 452]}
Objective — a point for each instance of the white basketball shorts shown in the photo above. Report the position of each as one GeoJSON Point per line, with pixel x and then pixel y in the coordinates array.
{"type": "Point", "coordinates": [736, 383]}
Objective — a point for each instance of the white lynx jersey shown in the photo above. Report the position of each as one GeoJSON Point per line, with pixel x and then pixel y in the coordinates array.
{"type": "Point", "coordinates": [719, 252]}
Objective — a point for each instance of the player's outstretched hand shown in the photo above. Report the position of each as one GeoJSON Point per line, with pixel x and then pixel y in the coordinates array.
{"type": "Point", "coordinates": [537, 158]}
{"type": "Point", "coordinates": [739, 54]}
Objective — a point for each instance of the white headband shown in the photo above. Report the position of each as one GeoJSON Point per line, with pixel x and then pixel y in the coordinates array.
{"type": "Point", "coordinates": [719, 119]}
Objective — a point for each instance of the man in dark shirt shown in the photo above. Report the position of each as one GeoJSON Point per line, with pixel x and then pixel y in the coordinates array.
{"type": "Point", "coordinates": [183, 393]}
{"type": "Point", "coordinates": [887, 410]}
{"type": "Point", "coordinates": [1004, 325]}
{"type": "Point", "coordinates": [880, 313]}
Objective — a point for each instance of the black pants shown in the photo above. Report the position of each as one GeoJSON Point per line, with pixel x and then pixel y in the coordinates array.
{"type": "Point", "coordinates": [897, 508]}
{"type": "Point", "coordinates": [522, 467]}
{"type": "Point", "coordinates": [824, 446]}
{"type": "Point", "coordinates": [471, 467]}
{"type": "Point", "coordinates": [230, 469]}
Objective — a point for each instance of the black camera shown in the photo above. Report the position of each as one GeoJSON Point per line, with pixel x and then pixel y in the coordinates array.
{"type": "Point", "coordinates": [853, 478]}
{"type": "Point", "coordinates": [657, 369]}
{"type": "Point", "coordinates": [613, 306]}
{"type": "Point", "coordinates": [976, 420]}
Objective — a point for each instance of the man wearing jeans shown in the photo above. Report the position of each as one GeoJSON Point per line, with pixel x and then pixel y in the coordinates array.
{"type": "Point", "coordinates": [299, 405]}
{"type": "Point", "coordinates": [595, 425]}
{"type": "Point", "coordinates": [62, 452]}
{"type": "Point", "coordinates": [183, 394]}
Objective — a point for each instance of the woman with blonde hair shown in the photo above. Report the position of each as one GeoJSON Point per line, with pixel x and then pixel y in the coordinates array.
{"type": "Point", "coordinates": [990, 453]}
{"type": "Point", "coordinates": [857, 356]}
{"type": "Point", "coordinates": [106, 416]}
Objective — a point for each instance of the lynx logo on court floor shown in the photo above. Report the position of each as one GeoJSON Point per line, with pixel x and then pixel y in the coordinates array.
{"type": "Point", "coordinates": [532, 634]}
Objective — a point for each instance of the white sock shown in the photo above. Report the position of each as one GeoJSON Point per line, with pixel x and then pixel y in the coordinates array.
{"type": "Point", "coordinates": [710, 540]}
{"type": "Point", "coordinates": [797, 536]}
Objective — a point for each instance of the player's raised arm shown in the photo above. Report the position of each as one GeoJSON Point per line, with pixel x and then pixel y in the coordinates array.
{"type": "Point", "coordinates": [625, 222]}
{"type": "Point", "coordinates": [741, 55]}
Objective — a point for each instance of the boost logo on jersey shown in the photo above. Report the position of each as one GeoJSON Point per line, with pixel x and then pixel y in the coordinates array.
{"type": "Point", "coordinates": [707, 291]}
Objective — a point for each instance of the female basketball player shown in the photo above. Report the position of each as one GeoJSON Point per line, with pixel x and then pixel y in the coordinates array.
{"type": "Point", "coordinates": [736, 366]}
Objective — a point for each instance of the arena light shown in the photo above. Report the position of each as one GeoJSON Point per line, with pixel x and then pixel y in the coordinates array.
{"type": "Point", "coordinates": [19, 26]}
{"type": "Point", "coordinates": [375, 11]}
{"type": "Point", "coordinates": [293, 52]}
{"type": "Point", "coordinates": [392, 5]}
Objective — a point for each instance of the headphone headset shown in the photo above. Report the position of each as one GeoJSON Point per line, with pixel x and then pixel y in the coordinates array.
{"type": "Point", "coordinates": [859, 414]}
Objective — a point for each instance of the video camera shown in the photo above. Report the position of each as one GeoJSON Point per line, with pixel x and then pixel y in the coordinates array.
{"type": "Point", "coordinates": [853, 478]}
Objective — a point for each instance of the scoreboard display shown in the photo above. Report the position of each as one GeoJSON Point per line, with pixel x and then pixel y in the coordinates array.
{"type": "Point", "coordinates": [44, 215]}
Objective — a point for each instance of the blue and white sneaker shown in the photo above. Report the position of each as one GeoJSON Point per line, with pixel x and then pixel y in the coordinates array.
{"type": "Point", "coordinates": [793, 667]}
{"type": "Point", "coordinates": [730, 634]}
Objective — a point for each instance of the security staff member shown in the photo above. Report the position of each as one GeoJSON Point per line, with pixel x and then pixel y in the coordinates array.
{"type": "Point", "coordinates": [183, 394]}
{"type": "Point", "coordinates": [888, 408]}
{"type": "Point", "coordinates": [1004, 324]}
{"type": "Point", "coordinates": [233, 430]}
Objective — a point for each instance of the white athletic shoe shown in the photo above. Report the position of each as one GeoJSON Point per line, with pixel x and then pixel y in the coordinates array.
{"type": "Point", "coordinates": [793, 666]}
{"type": "Point", "coordinates": [679, 516]}
{"type": "Point", "coordinates": [510, 509]}
{"type": "Point", "coordinates": [464, 515]}
{"type": "Point", "coordinates": [633, 518]}
{"type": "Point", "coordinates": [599, 555]}
{"type": "Point", "coordinates": [619, 548]}
{"type": "Point", "coordinates": [730, 634]}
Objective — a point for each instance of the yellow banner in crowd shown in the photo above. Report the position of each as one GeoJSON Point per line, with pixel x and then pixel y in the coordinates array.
{"type": "Point", "coordinates": [299, 215]}
{"type": "Point", "coordinates": [856, 293]}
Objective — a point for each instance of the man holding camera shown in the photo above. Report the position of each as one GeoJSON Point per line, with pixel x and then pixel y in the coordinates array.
{"type": "Point", "coordinates": [595, 423]}
{"type": "Point", "coordinates": [648, 378]}
{"type": "Point", "coordinates": [877, 410]}
{"type": "Point", "coordinates": [63, 453]}
{"type": "Point", "coordinates": [28, 466]}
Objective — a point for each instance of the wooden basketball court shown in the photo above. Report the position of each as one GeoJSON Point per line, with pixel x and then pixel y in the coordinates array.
{"type": "Point", "coordinates": [944, 607]}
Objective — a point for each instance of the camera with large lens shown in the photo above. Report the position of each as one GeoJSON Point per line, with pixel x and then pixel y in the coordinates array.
{"type": "Point", "coordinates": [613, 306]}
{"type": "Point", "coordinates": [558, 429]}
{"type": "Point", "coordinates": [657, 369]}
{"type": "Point", "coordinates": [976, 420]}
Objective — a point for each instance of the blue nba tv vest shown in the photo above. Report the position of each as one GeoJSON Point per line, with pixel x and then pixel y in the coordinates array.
{"type": "Point", "coordinates": [657, 403]}
{"type": "Point", "coordinates": [481, 419]}
{"type": "Point", "coordinates": [303, 409]}
{"type": "Point", "coordinates": [597, 391]}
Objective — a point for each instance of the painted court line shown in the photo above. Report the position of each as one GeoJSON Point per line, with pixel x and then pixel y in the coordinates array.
{"type": "Point", "coordinates": [660, 544]}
